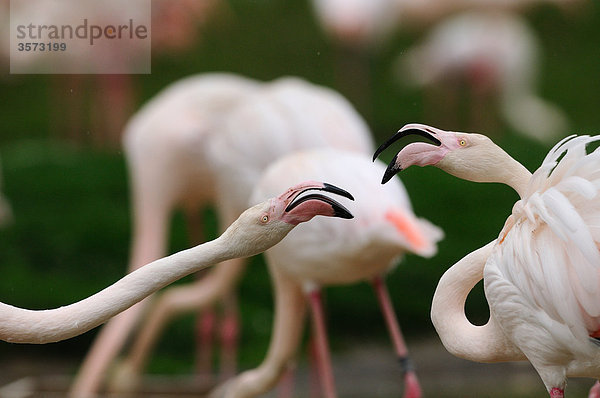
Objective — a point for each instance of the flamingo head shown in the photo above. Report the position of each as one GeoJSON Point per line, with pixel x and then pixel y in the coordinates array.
{"type": "Point", "coordinates": [464, 155]}
{"type": "Point", "coordinates": [266, 223]}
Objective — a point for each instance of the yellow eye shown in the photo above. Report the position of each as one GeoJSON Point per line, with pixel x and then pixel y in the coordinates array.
{"type": "Point", "coordinates": [264, 218]}
{"type": "Point", "coordinates": [462, 142]}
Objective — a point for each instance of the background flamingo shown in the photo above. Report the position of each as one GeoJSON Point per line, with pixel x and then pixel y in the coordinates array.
{"type": "Point", "coordinates": [540, 274]}
{"type": "Point", "coordinates": [384, 229]}
{"type": "Point", "coordinates": [258, 228]}
{"type": "Point", "coordinates": [267, 122]}
{"type": "Point", "coordinates": [493, 56]}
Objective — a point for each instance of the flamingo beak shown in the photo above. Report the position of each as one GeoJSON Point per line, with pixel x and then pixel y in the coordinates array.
{"type": "Point", "coordinates": [427, 132]}
{"type": "Point", "coordinates": [339, 210]}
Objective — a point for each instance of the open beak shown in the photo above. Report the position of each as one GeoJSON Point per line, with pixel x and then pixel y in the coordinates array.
{"type": "Point", "coordinates": [427, 132]}
{"type": "Point", "coordinates": [339, 210]}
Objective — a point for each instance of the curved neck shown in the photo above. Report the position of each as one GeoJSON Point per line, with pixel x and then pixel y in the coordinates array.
{"type": "Point", "coordinates": [20, 325]}
{"type": "Point", "coordinates": [461, 338]}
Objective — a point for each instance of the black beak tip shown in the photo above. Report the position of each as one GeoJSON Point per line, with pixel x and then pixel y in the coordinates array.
{"type": "Point", "coordinates": [339, 191]}
{"type": "Point", "coordinates": [391, 171]}
{"type": "Point", "coordinates": [341, 212]}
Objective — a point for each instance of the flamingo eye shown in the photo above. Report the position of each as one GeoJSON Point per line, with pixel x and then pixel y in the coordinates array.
{"type": "Point", "coordinates": [264, 219]}
{"type": "Point", "coordinates": [462, 142]}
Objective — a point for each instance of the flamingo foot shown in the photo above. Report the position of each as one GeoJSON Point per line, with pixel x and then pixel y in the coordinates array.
{"type": "Point", "coordinates": [556, 392]}
{"type": "Point", "coordinates": [595, 390]}
{"type": "Point", "coordinates": [412, 388]}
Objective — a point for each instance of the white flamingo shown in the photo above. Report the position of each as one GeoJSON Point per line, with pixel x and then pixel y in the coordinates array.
{"type": "Point", "coordinates": [255, 230]}
{"type": "Point", "coordinates": [541, 274]}
{"type": "Point", "coordinates": [496, 55]}
{"type": "Point", "coordinates": [162, 142]}
{"type": "Point", "coordinates": [384, 229]}
{"type": "Point", "coordinates": [267, 123]}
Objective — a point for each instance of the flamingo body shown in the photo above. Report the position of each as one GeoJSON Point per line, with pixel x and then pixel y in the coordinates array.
{"type": "Point", "coordinates": [367, 247]}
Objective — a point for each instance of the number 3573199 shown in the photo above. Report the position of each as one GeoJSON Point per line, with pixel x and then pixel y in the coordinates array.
{"type": "Point", "coordinates": [42, 46]}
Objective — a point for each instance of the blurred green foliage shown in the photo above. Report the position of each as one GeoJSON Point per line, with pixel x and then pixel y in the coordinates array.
{"type": "Point", "coordinates": [71, 232]}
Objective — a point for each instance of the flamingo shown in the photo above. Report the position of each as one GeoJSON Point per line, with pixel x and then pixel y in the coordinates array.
{"type": "Point", "coordinates": [161, 144]}
{"type": "Point", "coordinates": [265, 122]}
{"type": "Point", "coordinates": [255, 230]}
{"type": "Point", "coordinates": [496, 54]}
{"type": "Point", "coordinates": [384, 229]}
{"type": "Point", "coordinates": [541, 274]}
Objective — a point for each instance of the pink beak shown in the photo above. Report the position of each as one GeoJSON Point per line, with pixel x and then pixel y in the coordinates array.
{"type": "Point", "coordinates": [422, 130]}
{"type": "Point", "coordinates": [293, 200]}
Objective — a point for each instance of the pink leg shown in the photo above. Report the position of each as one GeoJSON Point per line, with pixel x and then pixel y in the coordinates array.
{"type": "Point", "coordinates": [230, 330]}
{"type": "Point", "coordinates": [205, 327]}
{"type": "Point", "coordinates": [595, 390]}
{"type": "Point", "coordinates": [557, 393]}
{"type": "Point", "coordinates": [321, 345]}
{"type": "Point", "coordinates": [286, 383]}
{"type": "Point", "coordinates": [412, 389]}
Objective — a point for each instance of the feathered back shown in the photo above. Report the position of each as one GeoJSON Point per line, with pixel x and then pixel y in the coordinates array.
{"type": "Point", "coordinates": [551, 248]}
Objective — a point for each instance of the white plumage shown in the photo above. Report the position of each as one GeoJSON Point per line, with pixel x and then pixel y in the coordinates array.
{"type": "Point", "coordinates": [547, 266]}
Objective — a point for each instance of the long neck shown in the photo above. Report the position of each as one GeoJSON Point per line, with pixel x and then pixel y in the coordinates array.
{"type": "Point", "coordinates": [513, 174]}
{"type": "Point", "coordinates": [20, 325]}
{"type": "Point", "coordinates": [485, 343]}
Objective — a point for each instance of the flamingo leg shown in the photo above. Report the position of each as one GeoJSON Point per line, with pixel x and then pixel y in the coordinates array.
{"type": "Point", "coordinates": [321, 344]}
{"type": "Point", "coordinates": [290, 307]}
{"type": "Point", "coordinates": [230, 330]}
{"type": "Point", "coordinates": [285, 388]}
{"type": "Point", "coordinates": [595, 390]}
{"type": "Point", "coordinates": [412, 389]}
{"type": "Point", "coordinates": [205, 327]}
{"type": "Point", "coordinates": [206, 320]}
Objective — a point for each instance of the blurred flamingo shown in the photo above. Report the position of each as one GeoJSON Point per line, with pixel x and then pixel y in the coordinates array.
{"type": "Point", "coordinates": [384, 229]}
{"type": "Point", "coordinates": [541, 274]}
{"type": "Point", "coordinates": [495, 55]}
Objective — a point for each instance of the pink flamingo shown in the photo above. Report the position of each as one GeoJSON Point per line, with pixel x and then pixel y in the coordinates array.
{"type": "Point", "coordinates": [383, 230]}
{"type": "Point", "coordinates": [541, 274]}
{"type": "Point", "coordinates": [255, 230]}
